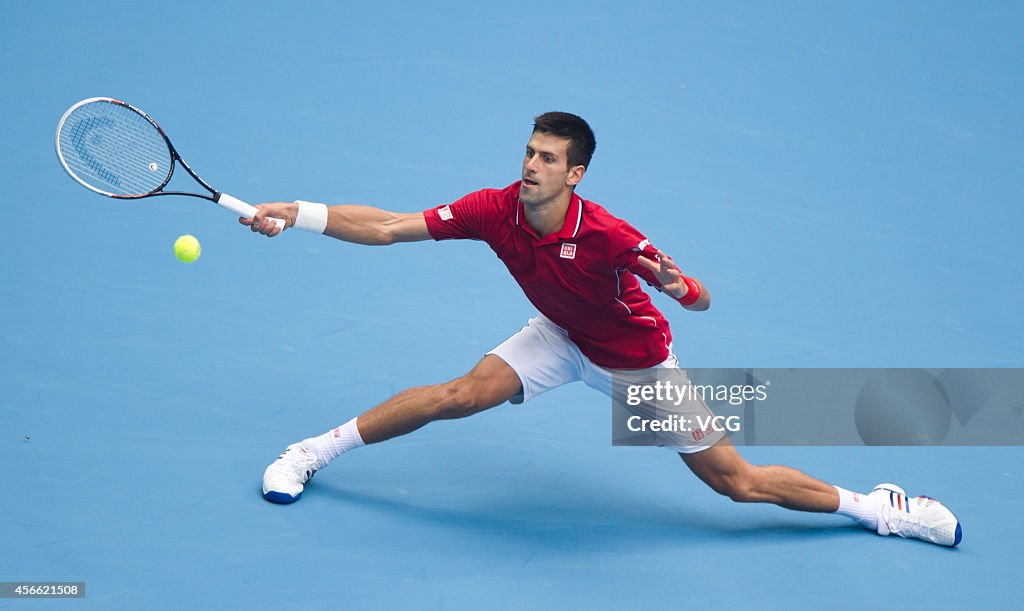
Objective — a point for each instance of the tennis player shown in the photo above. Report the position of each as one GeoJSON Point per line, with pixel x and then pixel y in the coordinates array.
{"type": "Point", "coordinates": [581, 268]}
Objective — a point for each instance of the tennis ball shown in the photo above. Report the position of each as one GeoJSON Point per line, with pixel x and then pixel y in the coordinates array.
{"type": "Point", "coordinates": [187, 248]}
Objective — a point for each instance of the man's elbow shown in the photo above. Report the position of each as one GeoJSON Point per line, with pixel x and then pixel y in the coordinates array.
{"type": "Point", "coordinates": [379, 234]}
{"type": "Point", "coordinates": [386, 237]}
{"type": "Point", "coordinates": [404, 228]}
{"type": "Point", "coordinates": [703, 302]}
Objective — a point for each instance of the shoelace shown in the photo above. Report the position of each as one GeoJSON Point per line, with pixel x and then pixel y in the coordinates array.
{"type": "Point", "coordinates": [901, 521]}
{"type": "Point", "coordinates": [296, 463]}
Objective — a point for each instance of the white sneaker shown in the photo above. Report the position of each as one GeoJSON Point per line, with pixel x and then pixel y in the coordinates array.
{"type": "Point", "coordinates": [284, 478]}
{"type": "Point", "coordinates": [919, 518]}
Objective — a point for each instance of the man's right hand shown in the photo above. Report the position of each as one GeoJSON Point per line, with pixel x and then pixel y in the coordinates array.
{"type": "Point", "coordinates": [286, 211]}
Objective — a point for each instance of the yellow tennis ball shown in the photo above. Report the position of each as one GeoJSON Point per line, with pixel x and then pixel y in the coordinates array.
{"type": "Point", "coordinates": [187, 248]}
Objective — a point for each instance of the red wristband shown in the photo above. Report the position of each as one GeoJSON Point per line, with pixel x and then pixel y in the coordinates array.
{"type": "Point", "coordinates": [692, 291]}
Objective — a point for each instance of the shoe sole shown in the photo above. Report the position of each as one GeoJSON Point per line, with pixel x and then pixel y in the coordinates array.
{"type": "Point", "coordinates": [281, 498]}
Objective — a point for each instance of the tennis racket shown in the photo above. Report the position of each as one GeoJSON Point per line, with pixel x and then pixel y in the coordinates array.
{"type": "Point", "coordinates": [115, 149]}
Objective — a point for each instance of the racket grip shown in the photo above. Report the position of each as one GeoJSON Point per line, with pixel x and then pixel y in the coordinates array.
{"type": "Point", "coordinates": [241, 208]}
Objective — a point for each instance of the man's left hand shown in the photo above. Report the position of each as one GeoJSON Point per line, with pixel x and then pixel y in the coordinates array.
{"type": "Point", "coordinates": [667, 273]}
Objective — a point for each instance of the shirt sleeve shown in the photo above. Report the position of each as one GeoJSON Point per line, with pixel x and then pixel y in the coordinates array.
{"type": "Point", "coordinates": [630, 245]}
{"type": "Point", "coordinates": [465, 218]}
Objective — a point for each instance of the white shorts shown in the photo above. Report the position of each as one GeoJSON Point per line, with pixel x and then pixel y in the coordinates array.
{"type": "Point", "coordinates": [544, 357]}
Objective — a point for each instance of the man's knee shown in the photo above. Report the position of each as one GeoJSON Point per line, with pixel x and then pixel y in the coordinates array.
{"type": "Point", "coordinates": [739, 485]}
{"type": "Point", "coordinates": [741, 489]}
{"type": "Point", "coordinates": [490, 383]}
{"type": "Point", "coordinates": [727, 473]}
{"type": "Point", "coordinates": [464, 397]}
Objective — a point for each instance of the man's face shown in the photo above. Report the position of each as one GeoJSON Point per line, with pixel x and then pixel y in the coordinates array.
{"type": "Point", "coordinates": [546, 171]}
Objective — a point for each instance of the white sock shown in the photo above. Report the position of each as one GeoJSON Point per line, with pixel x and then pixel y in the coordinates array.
{"type": "Point", "coordinates": [335, 442]}
{"type": "Point", "coordinates": [861, 507]}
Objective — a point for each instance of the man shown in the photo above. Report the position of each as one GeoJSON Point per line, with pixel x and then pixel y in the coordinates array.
{"type": "Point", "coordinates": [578, 265]}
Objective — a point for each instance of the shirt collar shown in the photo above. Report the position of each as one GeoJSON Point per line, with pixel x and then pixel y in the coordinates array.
{"type": "Point", "coordinates": [570, 228]}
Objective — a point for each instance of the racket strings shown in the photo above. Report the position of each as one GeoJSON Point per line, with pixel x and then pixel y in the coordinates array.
{"type": "Point", "coordinates": [114, 149]}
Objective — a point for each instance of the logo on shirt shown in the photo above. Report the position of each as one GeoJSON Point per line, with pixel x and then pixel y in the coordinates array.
{"type": "Point", "coordinates": [643, 244]}
{"type": "Point", "coordinates": [568, 251]}
{"type": "Point", "coordinates": [445, 212]}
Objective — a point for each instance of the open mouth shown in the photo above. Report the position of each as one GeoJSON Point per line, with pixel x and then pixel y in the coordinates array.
{"type": "Point", "coordinates": [528, 182]}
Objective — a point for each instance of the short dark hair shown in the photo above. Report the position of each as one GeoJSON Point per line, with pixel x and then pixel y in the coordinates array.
{"type": "Point", "coordinates": [575, 129]}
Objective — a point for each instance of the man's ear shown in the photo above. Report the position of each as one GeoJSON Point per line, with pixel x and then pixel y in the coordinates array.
{"type": "Point", "coordinates": [575, 175]}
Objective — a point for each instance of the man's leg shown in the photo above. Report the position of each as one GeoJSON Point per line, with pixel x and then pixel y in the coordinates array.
{"type": "Point", "coordinates": [886, 510]}
{"type": "Point", "coordinates": [490, 383]}
{"type": "Point", "coordinates": [729, 474]}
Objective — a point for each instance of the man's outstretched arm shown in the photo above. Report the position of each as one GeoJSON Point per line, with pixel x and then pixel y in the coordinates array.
{"type": "Point", "coordinates": [350, 223]}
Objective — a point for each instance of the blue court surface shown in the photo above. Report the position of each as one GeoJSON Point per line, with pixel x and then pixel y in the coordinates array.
{"type": "Point", "coordinates": [845, 178]}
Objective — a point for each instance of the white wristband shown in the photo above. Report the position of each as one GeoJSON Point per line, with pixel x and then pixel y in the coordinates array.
{"type": "Point", "coordinates": [311, 217]}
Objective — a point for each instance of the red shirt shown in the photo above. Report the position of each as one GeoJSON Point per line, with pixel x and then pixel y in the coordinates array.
{"type": "Point", "coordinates": [581, 277]}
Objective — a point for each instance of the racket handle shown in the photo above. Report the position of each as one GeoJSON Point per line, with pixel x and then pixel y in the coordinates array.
{"type": "Point", "coordinates": [241, 208]}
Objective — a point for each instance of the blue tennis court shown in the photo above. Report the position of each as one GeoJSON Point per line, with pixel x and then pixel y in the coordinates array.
{"type": "Point", "coordinates": [844, 179]}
